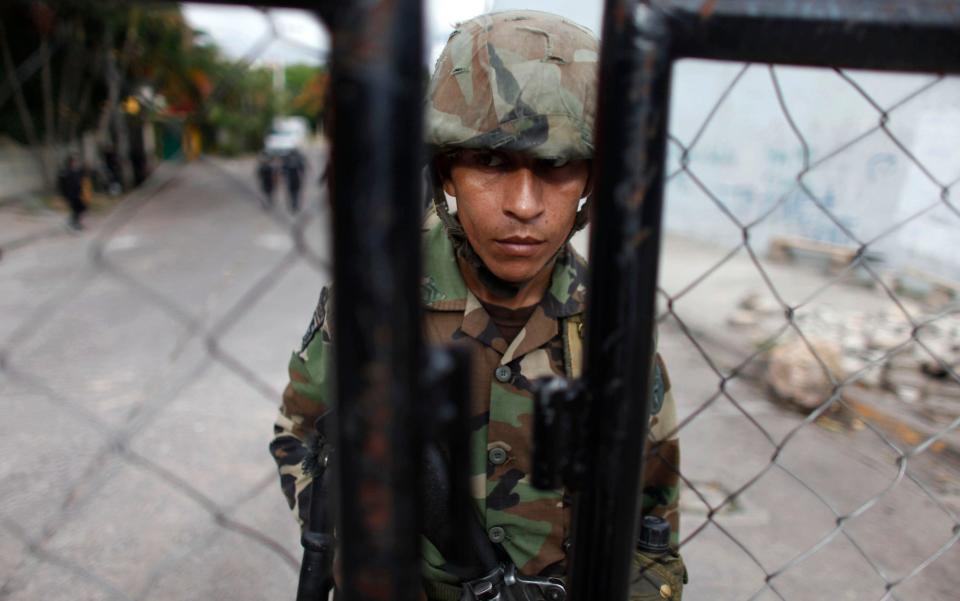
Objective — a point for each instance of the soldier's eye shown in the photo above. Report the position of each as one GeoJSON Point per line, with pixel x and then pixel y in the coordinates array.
{"type": "Point", "coordinates": [557, 163]}
{"type": "Point", "coordinates": [489, 159]}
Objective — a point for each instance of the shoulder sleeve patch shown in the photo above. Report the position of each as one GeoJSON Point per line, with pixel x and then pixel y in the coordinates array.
{"type": "Point", "coordinates": [430, 292]}
{"type": "Point", "coordinates": [316, 321]}
{"type": "Point", "coordinates": [664, 373]}
{"type": "Point", "coordinates": [659, 388]}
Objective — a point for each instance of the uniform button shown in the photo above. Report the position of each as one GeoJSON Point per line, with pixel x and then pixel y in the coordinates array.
{"type": "Point", "coordinates": [497, 456]}
{"type": "Point", "coordinates": [503, 373]}
{"type": "Point", "coordinates": [496, 534]}
{"type": "Point", "coordinates": [665, 591]}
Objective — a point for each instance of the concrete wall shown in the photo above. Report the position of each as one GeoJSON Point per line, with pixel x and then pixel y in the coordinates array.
{"type": "Point", "coordinates": [20, 172]}
{"type": "Point", "coordinates": [749, 157]}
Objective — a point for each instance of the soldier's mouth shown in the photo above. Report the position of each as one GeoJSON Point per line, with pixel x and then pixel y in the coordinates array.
{"type": "Point", "coordinates": [519, 246]}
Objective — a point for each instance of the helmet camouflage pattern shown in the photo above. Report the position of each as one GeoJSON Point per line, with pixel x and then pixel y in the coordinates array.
{"type": "Point", "coordinates": [521, 81]}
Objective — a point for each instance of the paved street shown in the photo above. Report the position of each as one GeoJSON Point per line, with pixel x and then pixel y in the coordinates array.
{"type": "Point", "coordinates": [141, 362]}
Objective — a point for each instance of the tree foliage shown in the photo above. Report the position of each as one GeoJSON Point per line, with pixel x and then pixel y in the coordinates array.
{"type": "Point", "coordinates": [96, 53]}
{"type": "Point", "coordinates": [306, 91]}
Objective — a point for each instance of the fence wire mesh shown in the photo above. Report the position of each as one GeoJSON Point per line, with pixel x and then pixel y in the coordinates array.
{"type": "Point", "coordinates": [141, 362]}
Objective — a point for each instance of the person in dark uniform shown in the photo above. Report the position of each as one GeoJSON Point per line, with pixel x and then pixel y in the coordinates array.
{"type": "Point", "coordinates": [70, 183]}
{"type": "Point", "coordinates": [293, 168]}
{"type": "Point", "coordinates": [267, 174]}
{"type": "Point", "coordinates": [114, 173]}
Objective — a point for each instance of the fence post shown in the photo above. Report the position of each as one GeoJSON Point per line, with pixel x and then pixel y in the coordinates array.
{"type": "Point", "coordinates": [624, 252]}
{"type": "Point", "coordinates": [857, 34]}
{"type": "Point", "coordinates": [377, 77]}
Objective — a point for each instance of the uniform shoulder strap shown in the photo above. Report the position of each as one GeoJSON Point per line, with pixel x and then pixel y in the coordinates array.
{"type": "Point", "coordinates": [573, 346]}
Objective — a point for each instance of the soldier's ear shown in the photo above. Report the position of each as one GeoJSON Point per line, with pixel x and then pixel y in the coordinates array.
{"type": "Point", "coordinates": [441, 163]}
{"type": "Point", "coordinates": [588, 187]}
{"type": "Point", "coordinates": [449, 188]}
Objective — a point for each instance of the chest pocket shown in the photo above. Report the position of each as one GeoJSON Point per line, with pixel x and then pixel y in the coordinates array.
{"type": "Point", "coordinates": [573, 360]}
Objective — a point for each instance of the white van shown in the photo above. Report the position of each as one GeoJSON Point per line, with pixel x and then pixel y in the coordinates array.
{"type": "Point", "coordinates": [287, 134]}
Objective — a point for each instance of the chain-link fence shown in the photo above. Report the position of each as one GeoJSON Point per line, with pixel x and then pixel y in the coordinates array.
{"type": "Point", "coordinates": [834, 295]}
{"type": "Point", "coordinates": [808, 316]}
{"type": "Point", "coordinates": [850, 485]}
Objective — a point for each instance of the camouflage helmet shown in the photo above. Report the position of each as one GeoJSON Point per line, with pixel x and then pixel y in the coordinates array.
{"type": "Point", "coordinates": [516, 81]}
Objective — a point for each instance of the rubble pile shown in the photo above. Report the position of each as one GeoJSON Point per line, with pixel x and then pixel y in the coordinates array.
{"type": "Point", "coordinates": [869, 349]}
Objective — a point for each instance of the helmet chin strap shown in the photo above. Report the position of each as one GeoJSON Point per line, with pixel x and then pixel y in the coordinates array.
{"type": "Point", "coordinates": [497, 286]}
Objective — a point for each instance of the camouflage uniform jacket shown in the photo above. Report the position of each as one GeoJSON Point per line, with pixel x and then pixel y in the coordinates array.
{"type": "Point", "coordinates": [530, 524]}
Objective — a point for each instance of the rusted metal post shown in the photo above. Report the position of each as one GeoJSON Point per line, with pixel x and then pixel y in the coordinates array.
{"type": "Point", "coordinates": [376, 77]}
{"type": "Point", "coordinates": [624, 251]}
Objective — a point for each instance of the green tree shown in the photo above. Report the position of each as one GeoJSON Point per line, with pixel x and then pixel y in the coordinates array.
{"type": "Point", "coordinates": [305, 91]}
{"type": "Point", "coordinates": [68, 66]}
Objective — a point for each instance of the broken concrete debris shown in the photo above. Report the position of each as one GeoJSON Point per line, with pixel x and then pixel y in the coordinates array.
{"type": "Point", "coordinates": [879, 349]}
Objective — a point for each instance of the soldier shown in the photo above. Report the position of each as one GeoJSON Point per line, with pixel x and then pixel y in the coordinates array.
{"type": "Point", "coordinates": [293, 168]}
{"type": "Point", "coordinates": [75, 190]}
{"type": "Point", "coordinates": [510, 125]}
{"type": "Point", "coordinates": [267, 174]}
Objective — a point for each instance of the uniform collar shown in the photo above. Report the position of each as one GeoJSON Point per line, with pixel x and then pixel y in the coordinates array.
{"type": "Point", "coordinates": [443, 289]}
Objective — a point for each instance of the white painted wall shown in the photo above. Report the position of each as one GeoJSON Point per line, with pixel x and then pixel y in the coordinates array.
{"type": "Point", "coordinates": [749, 157]}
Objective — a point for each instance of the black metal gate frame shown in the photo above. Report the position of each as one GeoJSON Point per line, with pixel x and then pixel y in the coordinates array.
{"type": "Point", "coordinates": [640, 42]}
{"type": "Point", "coordinates": [376, 160]}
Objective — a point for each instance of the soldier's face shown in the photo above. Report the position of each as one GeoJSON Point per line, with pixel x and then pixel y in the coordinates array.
{"type": "Point", "coordinates": [516, 210]}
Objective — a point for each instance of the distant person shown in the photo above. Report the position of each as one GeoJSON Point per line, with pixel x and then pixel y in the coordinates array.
{"type": "Point", "coordinates": [71, 184]}
{"type": "Point", "coordinates": [293, 168]}
{"type": "Point", "coordinates": [138, 161]}
{"type": "Point", "coordinates": [114, 175]}
{"type": "Point", "coordinates": [267, 174]}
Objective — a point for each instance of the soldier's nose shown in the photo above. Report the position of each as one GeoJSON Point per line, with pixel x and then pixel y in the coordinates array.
{"type": "Point", "coordinates": [523, 196]}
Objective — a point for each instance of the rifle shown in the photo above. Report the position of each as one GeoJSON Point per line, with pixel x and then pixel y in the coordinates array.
{"type": "Point", "coordinates": [319, 545]}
